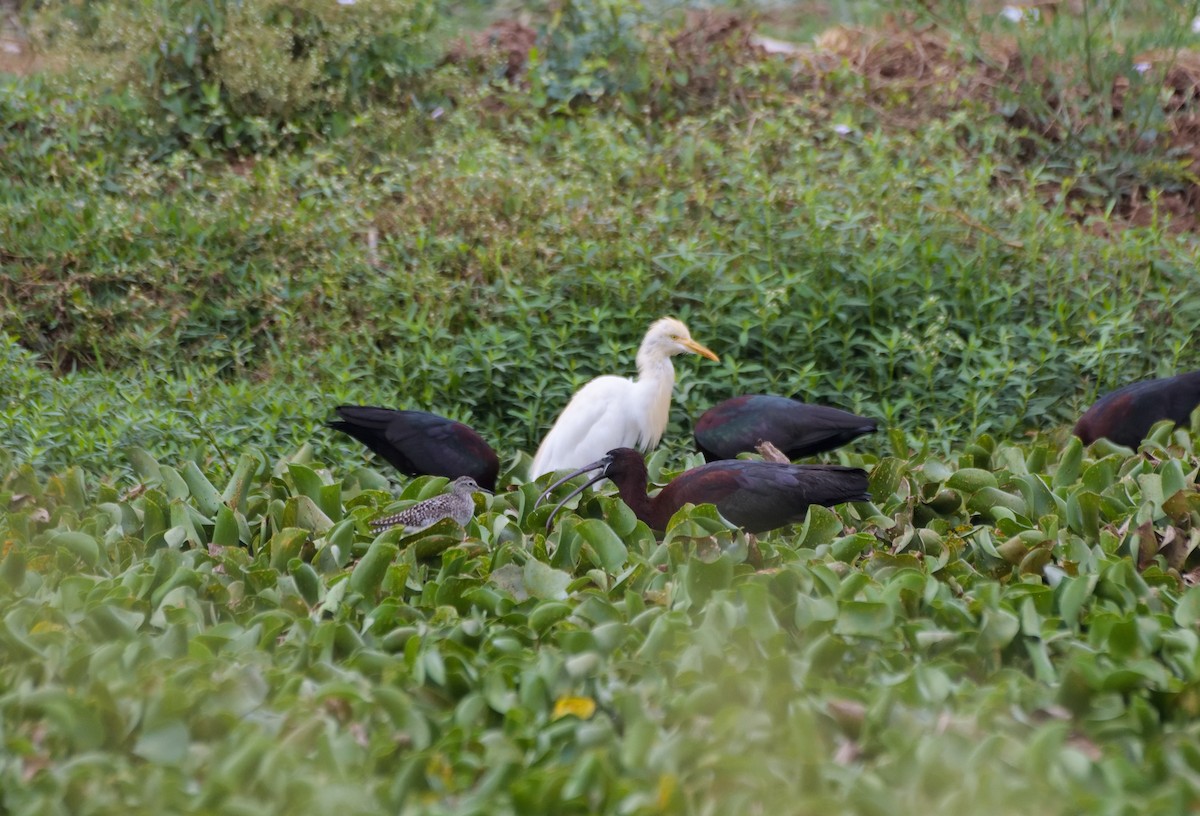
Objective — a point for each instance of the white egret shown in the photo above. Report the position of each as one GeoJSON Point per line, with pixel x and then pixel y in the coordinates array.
{"type": "Point", "coordinates": [615, 412]}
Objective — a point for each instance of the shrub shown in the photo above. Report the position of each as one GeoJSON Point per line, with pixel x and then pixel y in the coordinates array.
{"type": "Point", "coordinates": [1101, 96]}
{"type": "Point", "coordinates": [248, 75]}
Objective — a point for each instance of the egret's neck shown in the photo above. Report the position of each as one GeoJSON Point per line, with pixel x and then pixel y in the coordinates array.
{"type": "Point", "coordinates": [656, 378]}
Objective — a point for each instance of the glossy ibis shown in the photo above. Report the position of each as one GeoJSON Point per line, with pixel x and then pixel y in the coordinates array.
{"type": "Point", "coordinates": [796, 428]}
{"type": "Point", "coordinates": [458, 504]}
{"type": "Point", "coordinates": [757, 496]}
{"type": "Point", "coordinates": [1125, 415]}
{"type": "Point", "coordinates": [614, 412]}
{"type": "Point", "coordinates": [419, 443]}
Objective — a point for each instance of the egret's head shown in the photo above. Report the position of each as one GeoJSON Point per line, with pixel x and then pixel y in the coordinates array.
{"type": "Point", "coordinates": [668, 337]}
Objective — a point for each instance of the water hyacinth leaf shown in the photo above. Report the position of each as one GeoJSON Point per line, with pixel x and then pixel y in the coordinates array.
{"type": "Point", "coordinates": [285, 545]}
{"type": "Point", "coordinates": [1035, 561]}
{"type": "Point", "coordinates": [369, 572]}
{"type": "Point", "coordinates": [238, 487]}
{"type": "Point", "coordinates": [934, 471]}
{"type": "Point", "coordinates": [154, 517]}
{"type": "Point", "coordinates": [330, 501]}
{"type": "Point", "coordinates": [306, 480]}
{"type": "Point", "coordinates": [544, 582]}
{"type": "Point", "coordinates": [618, 515]}
{"type": "Point", "coordinates": [821, 526]}
{"type": "Point", "coordinates": [1073, 593]}
{"type": "Point", "coordinates": [546, 614]}
{"type": "Point", "coordinates": [208, 500]}
{"type": "Point", "coordinates": [301, 511]}
{"type": "Point", "coordinates": [987, 500]}
{"type": "Point", "coordinates": [424, 487]}
{"type": "Point", "coordinates": [1099, 475]}
{"type": "Point", "coordinates": [1160, 433]}
{"type": "Point", "coordinates": [74, 488]}
{"type": "Point", "coordinates": [701, 579]}
{"type": "Point", "coordinates": [998, 629]}
{"type": "Point", "coordinates": [434, 539]}
{"type": "Point", "coordinates": [761, 622]}
{"type": "Point", "coordinates": [869, 619]}
{"type": "Point", "coordinates": [145, 466]}
{"type": "Point", "coordinates": [848, 548]}
{"type": "Point", "coordinates": [80, 544]}
{"type": "Point", "coordinates": [307, 581]}
{"type": "Point", "coordinates": [12, 568]}
{"type": "Point", "coordinates": [510, 578]}
{"type": "Point", "coordinates": [1083, 514]}
{"type": "Point", "coordinates": [609, 550]}
{"type": "Point", "coordinates": [692, 522]}
{"type": "Point", "coordinates": [367, 479]}
{"type": "Point", "coordinates": [182, 520]}
{"type": "Point", "coordinates": [969, 480]}
{"type": "Point", "coordinates": [1187, 612]}
{"type": "Point", "coordinates": [1182, 505]}
{"type": "Point", "coordinates": [1070, 463]}
{"type": "Point", "coordinates": [226, 529]}
{"type": "Point", "coordinates": [166, 743]}
{"type": "Point", "coordinates": [885, 477]}
{"type": "Point", "coordinates": [1151, 485]}
{"type": "Point", "coordinates": [1039, 499]}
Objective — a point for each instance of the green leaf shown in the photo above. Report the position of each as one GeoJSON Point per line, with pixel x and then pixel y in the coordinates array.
{"type": "Point", "coordinates": [301, 511]}
{"type": "Point", "coordinates": [864, 619]}
{"type": "Point", "coordinates": [369, 571]}
{"type": "Point", "coordinates": [239, 484]}
{"type": "Point", "coordinates": [307, 482]}
{"type": "Point", "coordinates": [1187, 611]}
{"type": "Point", "coordinates": [545, 582]}
{"type": "Point", "coordinates": [885, 477]}
{"type": "Point", "coordinates": [208, 500]}
{"type": "Point", "coordinates": [165, 744]}
{"type": "Point", "coordinates": [226, 530]}
{"type": "Point", "coordinates": [285, 545]}
{"type": "Point", "coordinates": [81, 544]}
{"type": "Point", "coordinates": [1070, 463]}
{"type": "Point", "coordinates": [145, 466]}
{"type": "Point", "coordinates": [821, 526]}
{"type": "Point", "coordinates": [609, 550]}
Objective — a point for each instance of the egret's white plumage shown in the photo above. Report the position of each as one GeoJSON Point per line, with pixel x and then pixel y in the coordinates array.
{"type": "Point", "coordinates": [614, 412]}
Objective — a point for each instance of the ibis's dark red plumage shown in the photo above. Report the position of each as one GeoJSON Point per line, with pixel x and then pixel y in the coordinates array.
{"type": "Point", "coordinates": [1126, 415]}
{"type": "Point", "coordinates": [798, 429]}
{"type": "Point", "coordinates": [757, 496]}
{"type": "Point", "coordinates": [419, 443]}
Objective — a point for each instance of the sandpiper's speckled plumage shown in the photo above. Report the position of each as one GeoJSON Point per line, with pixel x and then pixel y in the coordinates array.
{"type": "Point", "coordinates": [458, 504]}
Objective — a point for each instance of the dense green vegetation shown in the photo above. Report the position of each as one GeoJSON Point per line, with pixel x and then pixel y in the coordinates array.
{"type": "Point", "coordinates": [229, 218]}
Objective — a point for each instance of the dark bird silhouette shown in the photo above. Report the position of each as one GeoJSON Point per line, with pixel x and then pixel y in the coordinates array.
{"type": "Point", "coordinates": [796, 428]}
{"type": "Point", "coordinates": [1125, 415]}
{"type": "Point", "coordinates": [419, 443]}
{"type": "Point", "coordinates": [757, 496]}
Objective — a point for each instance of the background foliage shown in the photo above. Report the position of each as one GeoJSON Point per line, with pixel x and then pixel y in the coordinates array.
{"type": "Point", "coordinates": [222, 219]}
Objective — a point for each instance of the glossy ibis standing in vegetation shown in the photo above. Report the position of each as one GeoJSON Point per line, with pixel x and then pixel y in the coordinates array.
{"type": "Point", "coordinates": [458, 504]}
{"type": "Point", "coordinates": [419, 443]}
{"type": "Point", "coordinates": [756, 496]}
{"type": "Point", "coordinates": [1126, 415]}
{"type": "Point", "coordinates": [797, 429]}
{"type": "Point", "coordinates": [614, 412]}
